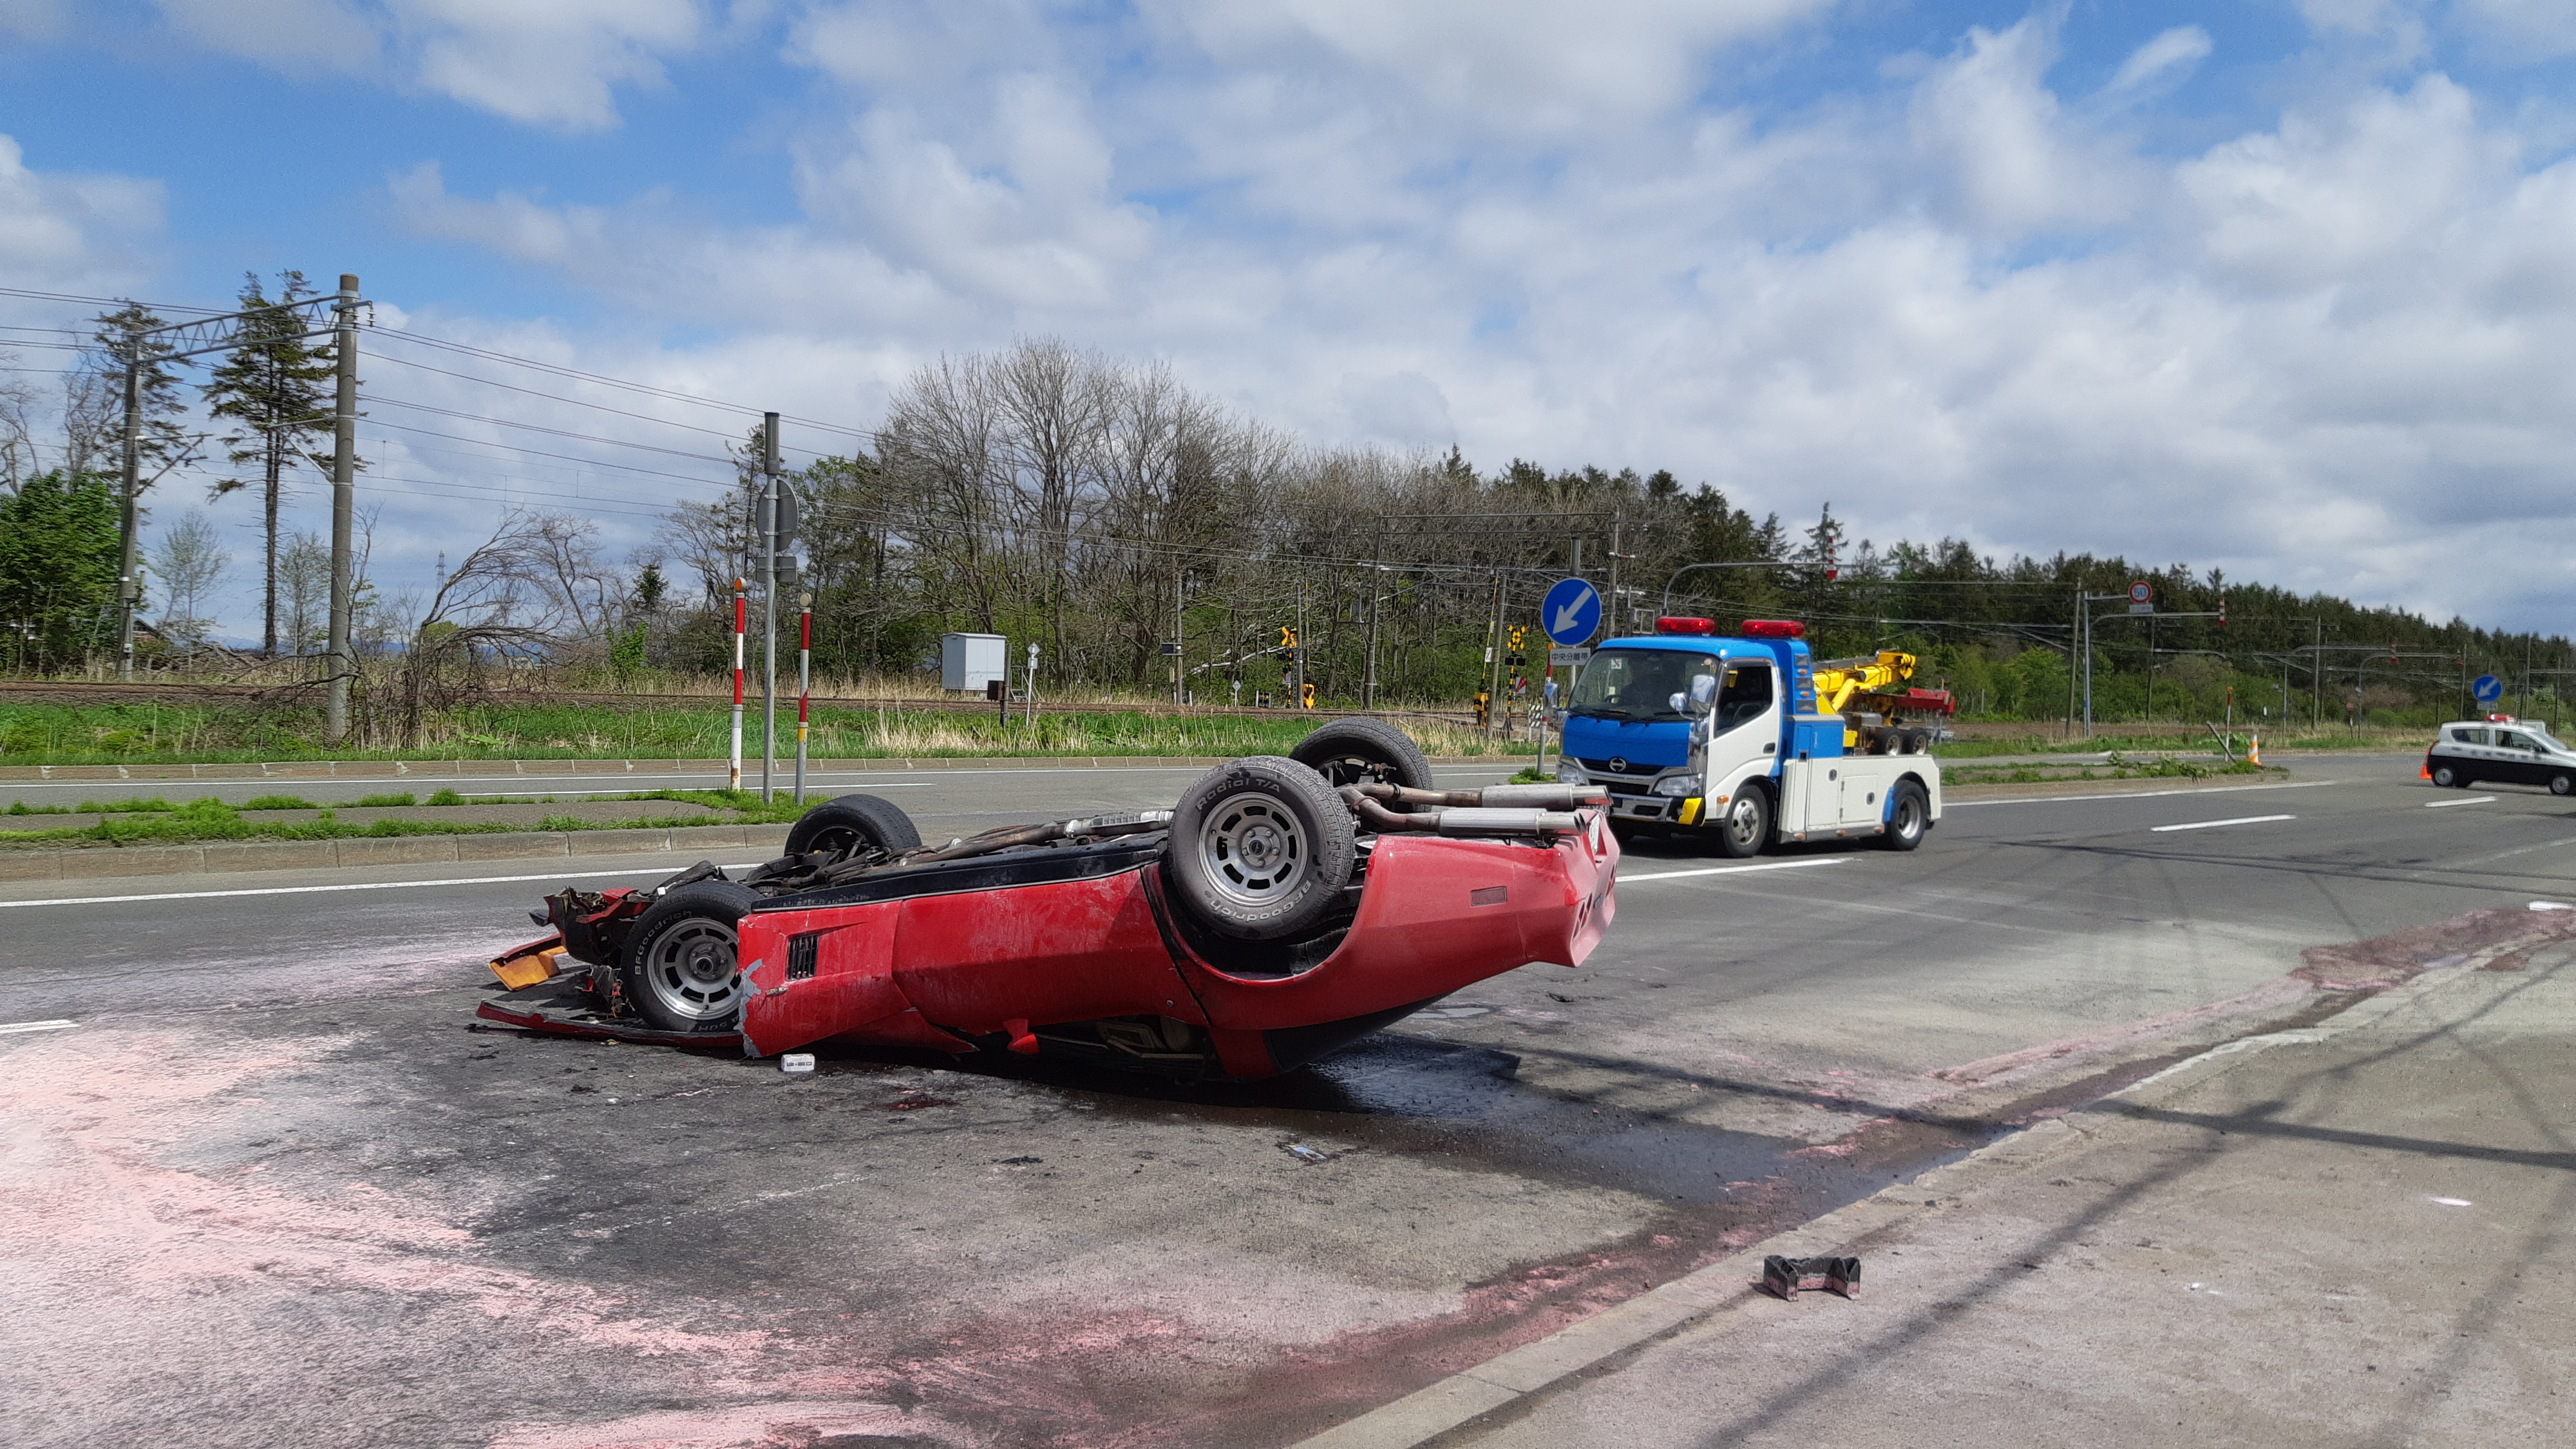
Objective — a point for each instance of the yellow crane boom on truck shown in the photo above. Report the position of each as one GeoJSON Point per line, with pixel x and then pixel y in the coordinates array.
{"type": "Point", "coordinates": [1877, 719]}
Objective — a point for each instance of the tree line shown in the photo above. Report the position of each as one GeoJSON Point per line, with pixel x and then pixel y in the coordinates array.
{"type": "Point", "coordinates": [1104, 511]}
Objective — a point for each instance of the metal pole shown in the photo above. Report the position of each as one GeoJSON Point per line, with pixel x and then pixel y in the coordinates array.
{"type": "Point", "coordinates": [733, 776]}
{"type": "Point", "coordinates": [2317, 680]}
{"type": "Point", "coordinates": [1368, 680]}
{"type": "Point", "coordinates": [804, 682]}
{"type": "Point", "coordinates": [1179, 648]}
{"type": "Point", "coordinates": [128, 593]}
{"type": "Point", "coordinates": [344, 511]}
{"type": "Point", "coordinates": [2074, 641]}
{"type": "Point", "coordinates": [1494, 665]}
{"type": "Point", "coordinates": [768, 600]}
{"type": "Point", "coordinates": [1297, 656]}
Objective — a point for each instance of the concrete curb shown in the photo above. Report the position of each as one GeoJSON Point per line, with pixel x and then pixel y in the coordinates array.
{"type": "Point", "coordinates": [103, 863]}
{"type": "Point", "coordinates": [1724, 1288]}
{"type": "Point", "coordinates": [612, 769]}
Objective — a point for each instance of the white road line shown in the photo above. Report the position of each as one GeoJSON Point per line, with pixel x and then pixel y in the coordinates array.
{"type": "Point", "coordinates": [2136, 794]}
{"type": "Point", "coordinates": [609, 784]}
{"type": "Point", "coordinates": [1736, 869]}
{"type": "Point", "coordinates": [2214, 824]}
{"type": "Point", "coordinates": [2447, 804]}
{"type": "Point", "coordinates": [372, 885]}
{"type": "Point", "coordinates": [15, 1027]}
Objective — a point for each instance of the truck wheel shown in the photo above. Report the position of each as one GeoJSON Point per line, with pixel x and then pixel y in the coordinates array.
{"type": "Point", "coordinates": [681, 970]}
{"type": "Point", "coordinates": [1909, 815]}
{"type": "Point", "coordinates": [2446, 777]}
{"type": "Point", "coordinates": [1365, 752]}
{"type": "Point", "coordinates": [1745, 828]}
{"type": "Point", "coordinates": [846, 822]}
{"type": "Point", "coordinates": [1260, 847]}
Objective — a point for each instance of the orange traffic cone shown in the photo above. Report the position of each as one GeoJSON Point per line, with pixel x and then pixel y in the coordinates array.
{"type": "Point", "coordinates": [2428, 769]}
{"type": "Point", "coordinates": [2253, 749]}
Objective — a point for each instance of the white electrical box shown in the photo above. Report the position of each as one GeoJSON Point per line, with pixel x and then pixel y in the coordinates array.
{"type": "Point", "coordinates": [971, 661]}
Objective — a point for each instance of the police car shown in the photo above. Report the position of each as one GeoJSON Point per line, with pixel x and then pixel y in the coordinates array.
{"type": "Point", "coordinates": [2500, 750]}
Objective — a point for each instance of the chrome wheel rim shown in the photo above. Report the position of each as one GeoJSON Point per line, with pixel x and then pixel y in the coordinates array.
{"type": "Point", "coordinates": [1743, 824]}
{"type": "Point", "coordinates": [691, 970]}
{"type": "Point", "coordinates": [1254, 850]}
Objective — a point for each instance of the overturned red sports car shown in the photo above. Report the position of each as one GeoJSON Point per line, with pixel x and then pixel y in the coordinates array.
{"type": "Point", "coordinates": [1282, 908]}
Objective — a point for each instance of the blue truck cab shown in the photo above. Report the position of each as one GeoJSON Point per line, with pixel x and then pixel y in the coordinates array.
{"type": "Point", "coordinates": [1698, 732]}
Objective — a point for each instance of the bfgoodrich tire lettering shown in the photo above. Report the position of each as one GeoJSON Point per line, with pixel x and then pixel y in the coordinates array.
{"type": "Point", "coordinates": [1260, 848]}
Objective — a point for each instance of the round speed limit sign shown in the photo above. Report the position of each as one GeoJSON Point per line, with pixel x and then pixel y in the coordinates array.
{"type": "Point", "coordinates": [2139, 593]}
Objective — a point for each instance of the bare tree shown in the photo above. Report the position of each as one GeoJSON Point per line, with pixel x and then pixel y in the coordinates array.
{"type": "Point", "coordinates": [17, 428]}
{"type": "Point", "coordinates": [304, 573]}
{"type": "Point", "coordinates": [190, 560]}
{"type": "Point", "coordinates": [520, 597]}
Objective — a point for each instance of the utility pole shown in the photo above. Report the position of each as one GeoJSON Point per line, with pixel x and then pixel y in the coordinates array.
{"type": "Point", "coordinates": [129, 590]}
{"type": "Point", "coordinates": [1180, 651]}
{"type": "Point", "coordinates": [1494, 662]}
{"type": "Point", "coordinates": [1297, 656]}
{"type": "Point", "coordinates": [805, 682]}
{"type": "Point", "coordinates": [766, 530]}
{"type": "Point", "coordinates": [1376, 583]}
{"type": "Point", "coordinates": [344, 508]}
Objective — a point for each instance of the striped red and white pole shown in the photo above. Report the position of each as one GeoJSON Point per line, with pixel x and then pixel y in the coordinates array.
{"type": "Point", "coordinates": [741, 617]}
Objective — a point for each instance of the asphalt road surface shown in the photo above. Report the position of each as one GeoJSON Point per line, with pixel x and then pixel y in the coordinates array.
{"type": "Point", "coordinates": [267, 1187]}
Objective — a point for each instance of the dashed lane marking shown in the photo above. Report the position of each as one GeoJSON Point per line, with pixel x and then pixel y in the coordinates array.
{"type": "Point", "coordinates": [2214, 824]}
{"type": "Point", "coordinates": [2447, 804]}
{"type": "Point", "coordinates": [1738, 869]}
{"type": "Point", "coordinates": [12, 1028]}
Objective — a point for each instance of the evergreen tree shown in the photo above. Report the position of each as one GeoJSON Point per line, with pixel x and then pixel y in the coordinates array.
{"type": "Point", "coordinates": [275, 387]}
{"type": "Point", "coordinates": [120, 340]}
{"type": "Point", "coordinates": [58, 566]}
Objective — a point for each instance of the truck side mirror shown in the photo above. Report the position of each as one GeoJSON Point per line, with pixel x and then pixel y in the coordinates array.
{"type": "Point", "coordinates": [1703, 690]}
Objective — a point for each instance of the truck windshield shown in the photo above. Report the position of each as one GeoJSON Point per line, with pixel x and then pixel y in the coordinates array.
{"type": "Point", "coordinates": [1637, 684]}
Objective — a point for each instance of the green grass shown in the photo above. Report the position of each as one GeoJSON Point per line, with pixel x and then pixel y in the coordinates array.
{"type": "Point", "coordinates": [208, 819]}
{"type": "Point", "coordinates": [235, 734]}
{"type": "Point", "coordinates": [445, 797]}
{"type": "Point", "coordinates": [2117, 768]}
{"type": "Point", "coordinates": [277, 802]}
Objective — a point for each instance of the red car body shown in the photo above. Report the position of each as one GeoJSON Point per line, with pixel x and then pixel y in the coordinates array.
{"type": "Point", "coordinates": [1014, 952]}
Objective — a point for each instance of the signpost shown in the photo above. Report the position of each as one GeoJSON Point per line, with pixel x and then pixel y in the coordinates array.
{"type": "Point", "coordinates": [2142, 599]}
{"type": "Point", "coordinates": [2486, 689]}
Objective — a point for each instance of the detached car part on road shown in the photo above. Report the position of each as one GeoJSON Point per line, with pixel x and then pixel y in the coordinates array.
{"type": "Point", "coordinates": [1282, 908]}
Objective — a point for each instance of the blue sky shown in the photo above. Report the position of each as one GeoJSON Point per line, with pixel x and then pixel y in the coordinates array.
{"type": "Point", "coordinates": [2284, 288]}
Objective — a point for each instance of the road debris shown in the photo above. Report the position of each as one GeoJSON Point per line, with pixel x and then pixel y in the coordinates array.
{"type": "Point", "coordinates": [1782, 1277]}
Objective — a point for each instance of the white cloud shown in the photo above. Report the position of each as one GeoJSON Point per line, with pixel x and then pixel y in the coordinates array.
{"type": "Point", "coordinates": [2521, 30]}
{"type": "Point", "coordinates": [1988, 117]}
{"type": "Point", "coordinates": [73, 233]}
{"type": "Point", "coordinates": [1515, 65]}
{"type": "Point", "coordinates": [551, 63]}
{"type": "Point", "coordinates": [2162, 59]}
{"type": "Point", "coordinates": [2333, 352]}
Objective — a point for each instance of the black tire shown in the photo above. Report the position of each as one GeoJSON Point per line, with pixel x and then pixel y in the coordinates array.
{"type": "Point", "coordinates": [2448, 778]}
{"type": "Point", "coordinates": [846, 821]}
{"type": "Point", "coordinates": [1260, 848]}
{"type": "Point", "coordinates": [1743, 828]}
{"type": "Point", "coordinates": [2562, 784]}
{"type": "Point", "coordinates": [680, 972]}
{"type": "Point", "coordinates": [1909, 816]}
{"type": "Point", "coordinates": [1365, 751]}
{"type": "Point", "coordinates": [1880, 742]}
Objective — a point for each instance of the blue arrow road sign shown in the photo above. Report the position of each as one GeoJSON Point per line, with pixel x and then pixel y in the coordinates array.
{"type": "Point", "coordinates": [1571, 611]}
{"type": "Point", "coordinates": [2486, 688]}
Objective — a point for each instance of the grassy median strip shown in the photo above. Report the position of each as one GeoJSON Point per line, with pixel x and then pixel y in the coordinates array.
{"type": "Point", "coordinates": [2117, 767]}
{"type": "Point", "coordinates": [157, 822]}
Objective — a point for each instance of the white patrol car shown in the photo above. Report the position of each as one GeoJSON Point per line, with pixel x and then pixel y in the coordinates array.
{"type": "Point", "coordinates": [2499, 750]}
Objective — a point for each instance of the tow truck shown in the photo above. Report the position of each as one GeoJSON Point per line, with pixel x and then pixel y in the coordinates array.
{"type": "Point", "coordinates": [1748, 739]}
